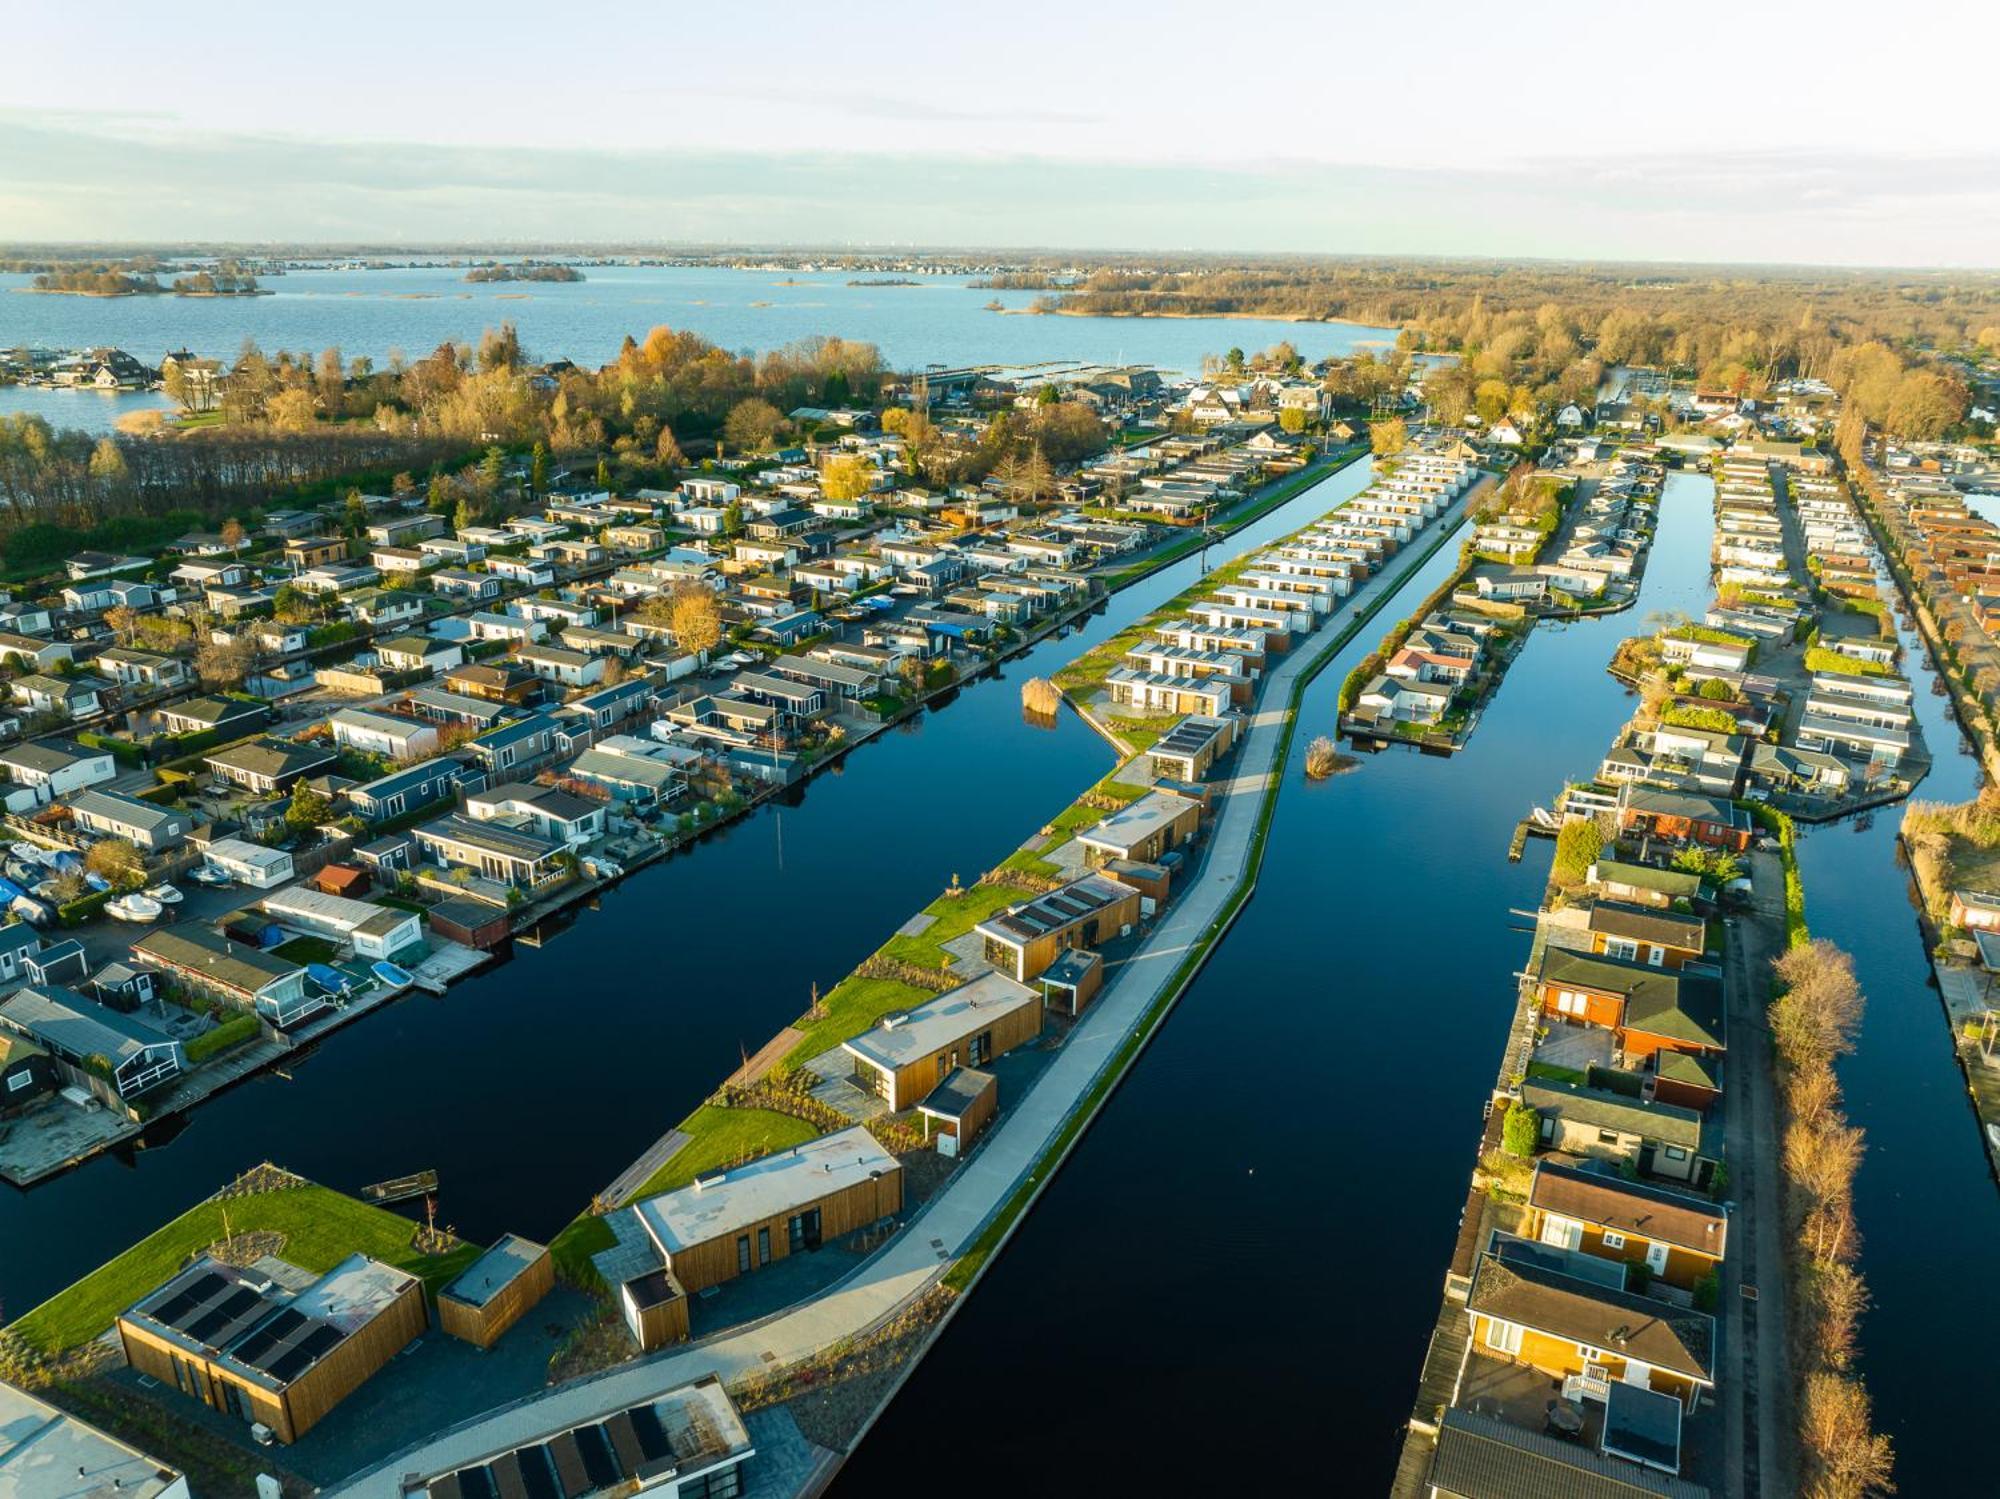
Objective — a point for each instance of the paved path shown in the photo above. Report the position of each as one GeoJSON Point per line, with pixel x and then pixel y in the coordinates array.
{"type": "Point", "coordinates": [952, 1220]}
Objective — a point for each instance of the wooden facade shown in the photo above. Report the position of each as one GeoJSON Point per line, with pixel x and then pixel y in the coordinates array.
{"type": "Point", "coordinates": [289, 1409]}
{"type": "Point", "coordinates": [655, 1309]}
{"type": "Point", "coordinates": [1024, 954]}
{"type": "Point", "coordinates": [840, 1213]}
{"type": "Point", "coordinates": [497, 1291]}
{"type": "Point", "coordinates": [976, 1034]}
{"type": "Point", "coordinates": [1559, 1357]}
{"type": "Point", "coordinates": [960, 1107]}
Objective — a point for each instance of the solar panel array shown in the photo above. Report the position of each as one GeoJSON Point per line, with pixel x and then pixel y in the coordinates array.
{"type": "Point", "coordinates": [245, 1325]}
{"type": "Point", "coordinates": [572, 1464]}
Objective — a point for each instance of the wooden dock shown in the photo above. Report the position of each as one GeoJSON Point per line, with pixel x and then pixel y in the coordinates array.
{"type": "Point", "coordinates": [401, 1188]}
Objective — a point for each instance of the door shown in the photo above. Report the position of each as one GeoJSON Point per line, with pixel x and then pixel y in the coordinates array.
{"type": "Point", "coordinates": [1656, 1258]}
{"type": "Point", "coordinates": [1638, 1374]}
{"type": "Point", "coordinates": [1564, 1233]}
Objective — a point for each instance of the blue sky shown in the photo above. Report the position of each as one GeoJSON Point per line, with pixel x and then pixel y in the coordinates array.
{"type": "Point", "coordinates": [1773, 131]}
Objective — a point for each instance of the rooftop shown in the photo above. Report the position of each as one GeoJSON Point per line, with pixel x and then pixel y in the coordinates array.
{"type": "Point", "coordinates": [764, 1188]}
{"type": "Point", "coordinates": [1056, 911]}
{"type": "Point", "coordinates": [1657, 1213]}
{"type": "Point", "coordinates": [937, 1023]}
{"type": "Point", "coordinates": [1665, 1336]}
{"type": "Point", "coordinates": [495, 1270]}
{"type": "Point", "coordinates": [1133, 824]}
{"type": "Point", "coordinates": [46, 1452]}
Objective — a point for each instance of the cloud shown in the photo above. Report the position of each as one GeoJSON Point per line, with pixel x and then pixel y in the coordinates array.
{"type": "Point", "coordinates": [75, 183]}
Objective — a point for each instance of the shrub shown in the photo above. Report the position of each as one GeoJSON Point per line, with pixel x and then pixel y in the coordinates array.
{"type": "Point", "coordinates": [1717, 691]}
{"type": "Point", "coordinates": [1707, 1290]}
{"type": "Point", "coordinates": [1521, 1131]}
{"type": "Point", "coordinates": [1577, 848]}
{"type": "Point", "coordinates": [77, 912]}
{"type": "Point", "coordinates": [232, 1032]}
{"type": "Point", "coordinates": [1688, 716]}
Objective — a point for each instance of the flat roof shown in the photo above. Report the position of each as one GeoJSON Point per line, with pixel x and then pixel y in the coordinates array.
{"type": "Point", "coordinates": [958, 1092]}
{"type": "Point", "coordinates": [936, 1023]}
{"type": "Point", "coordinates": [763, 1188]}
{"type": "Point", "coordinates": [1487, 1456]}
{"type": "Point", "coordinates": [43, 1450]}
{"type": "Point", "coordinates": [502, 1265]}
{"type": "Point", "coordinates": [1056, 911]}
{"type": "Point", "coordinates": [1133, 824]}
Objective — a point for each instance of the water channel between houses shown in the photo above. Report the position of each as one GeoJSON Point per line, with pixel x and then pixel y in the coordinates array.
{"type": "Point", "coordinates": [1246, 1250]}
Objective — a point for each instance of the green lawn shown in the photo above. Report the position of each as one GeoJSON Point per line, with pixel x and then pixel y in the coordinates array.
{"type": "Point", "coordinates": [573, 1247]}
{"type": "Point", "coordinates": [1550, 1072]}
{"type": "Point", "coordinates": [1027, 861]}
{"type": "Point", "coordinates": [955, 915]}
{"type": "Point", "coordinates": [306, 950]}
{"type": "Point", "coordinates": [852, 1006]}
{"type": "Point", "coordinates": [322, 1227]}
{"type": "Point", "coordinates": [724, 1137]}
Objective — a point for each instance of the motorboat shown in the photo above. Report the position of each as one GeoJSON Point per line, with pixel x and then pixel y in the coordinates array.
{"type": "Point", "coordinates": [394, 975]}
{"type": "Point", "coordinates": [166, 895]}
{"type": "Point", "coordinates": [133, 907]}
{"type": "Point", "coordinates": [210, 875]}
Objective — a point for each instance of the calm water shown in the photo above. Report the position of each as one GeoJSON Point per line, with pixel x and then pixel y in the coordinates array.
{"type": "Point", "coordinates": [942, 321]}
{"type": "Point", "coordinates": [1253, 1237]}
{"type": "Point", "coordinates": [529, 1088]}
{"type": "Point", "coordinates": [1296, 1141]}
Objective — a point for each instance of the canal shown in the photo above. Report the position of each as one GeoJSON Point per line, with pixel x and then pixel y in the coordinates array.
{"type": "Point", "coordinates": [1246, 1250]}
{"type": "Point", "coordinates": [529, 1088]}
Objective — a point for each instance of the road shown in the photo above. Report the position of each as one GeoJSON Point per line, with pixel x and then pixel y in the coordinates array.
{"type": "Point", "coordinates": [947, 1226]}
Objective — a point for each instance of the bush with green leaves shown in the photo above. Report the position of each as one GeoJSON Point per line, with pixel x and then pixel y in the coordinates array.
{"type": "Point", "coordinates": [1578, 846]}
{"type": "Point", "coordinates": [1521, 1131]}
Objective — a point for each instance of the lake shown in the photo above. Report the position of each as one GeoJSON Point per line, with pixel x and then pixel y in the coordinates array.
{"type": "Point", "coordinates": [941, 321]}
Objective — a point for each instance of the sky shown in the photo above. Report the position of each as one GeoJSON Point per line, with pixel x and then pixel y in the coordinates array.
{"type": "Point", "coordinates": [1833, 132]}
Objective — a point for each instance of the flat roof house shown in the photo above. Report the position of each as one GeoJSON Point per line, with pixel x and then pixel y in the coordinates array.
{"type": "Point", "coordinates": [249, 863]}
{"type": "Point", "coordinates": [1678, 1236]}
{"type": "Point", "coordinates": [1026, 938]}
{"type": "Point", "coordinates": [278, 1349]}
{"type": "Point", "coordinates": [43, 1451]}
{"type": "Point", "coordinates": [735, 1221]}
{"type": "Point", "coordinates": [515, 856]}
{"type": "Point", "coordinates": [231, 971]}
{"type": "Point", "coordinates": [384, 734]}
{"type": "Point", "coordinates": [374, 932]}
{"type": "Point", "coordinates": [73, 1030]}
{"type": "Point", "coordinates": [686, 1444]}
{"type": "Point", "coordinates": [1186, 751]}
{"type": "Point", "coordinates": [56, 767]}
{"type": "Point", "coordinates": [1155, 824]}
{"type": "Point", "coordinates": [909, 1053]}
{"type": "Point", "coordinates": [112, 814]}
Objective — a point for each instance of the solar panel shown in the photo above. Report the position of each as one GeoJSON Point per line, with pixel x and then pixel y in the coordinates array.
{"type": "Point", "coordinates": [538, 1474]}
{"type": "Point", "coordinates": [289, 1365]}
{"type": "Point", "coordinates": [225, 1315]}
{"type": "Point", "coordinates": [599, 1461]}
{"type": "Point", "coordinates": [653, 1439]}
{"type": "Point", "coordinates": [320, 1339]}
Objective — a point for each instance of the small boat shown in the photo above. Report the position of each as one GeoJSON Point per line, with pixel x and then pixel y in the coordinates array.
{"type": "Point", "coordinates": [328, 980]}
{"type": "Point", "coordinates": [602, 869]}
{"type": "Point", "coordinates": [133, 907]}
{"type": "Point", "coordinates": [391, 974]}
{"type": "Point", "coordinates": [166, 895]}
{"type": "Point", "coordinates": [208, 874]}
{"type": "Point", "coordinates": [745, 658]}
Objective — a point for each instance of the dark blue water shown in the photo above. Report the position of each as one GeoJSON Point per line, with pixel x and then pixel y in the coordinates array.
{"type": "Point", "coordinates": [530, 1088]}
{"type": "Point", "coordinates": [1237, 1272]}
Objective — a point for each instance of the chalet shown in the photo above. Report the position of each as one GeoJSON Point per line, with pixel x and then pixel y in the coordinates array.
{"type": "Point", "coordinates": [419, 653]}
{"type": "Point", "coordinates": [387, 734]}
{"type": "Point", "coordinates": [1646, 884]}
{"type": "Point", "coordinates": [372, 932]}
{"type": "Point", "coordinates": [639, 771]}
{"type": "Point", "coordinates": [142, 671]}
{"type": "Point", "coordinates": [335, 578]}
{"type": "Point", "coordinates": [1644, 934]}
{"type": "Point", "coordinates": [515, 747]}
{"type": "Point", "coordinates": [461, 583]}
{"type": "Point", "coordinates": [511, 855]}
{"type": "Point", "coordinates": [528, 572]}
{"type": "Point", "coordinates": [78, 1034]}
{"type": "Point", "coordinates": [381, 607]}
{"type": "Point", "coordinates": [556, 815]}
{"type": "Point", "coordinates": [405, 790]}
{"type": "Point", "coordinates": [149, 826]}
{"type": "Point", "coordinates": [732, 1222]}
{"type": "Point", "coordinates": [56, 767]}
{"type": "Point", "coordinates": [1678, 1237]}
{"type": "Point", "coordinates": [267, 765]}
{"type": "Point", "coordinates": [555, 664]}
{"type": "Point", "coordinates": [1683, 817]}
{"type": "Point", "coordinates": [493, 683]}
{"type": "Point", "coordinates": [909, 1053]}
{"type": "Point", "coordinates": [249, 863]}
{"type": "Point", "coordinates": [65, 697]}
{"type": "Point", "coordinates": [305, 552]}
{"type": "Point", "coordinates": [234, 972]}
{"type": "Point", "coordinates": [279, 1348]}
{"type": "Point", "coordinates": [32, 653]}
{"type": "Point", "coordinates": [1562, 1325]}
{"type": "Point", "coordinates": [1657, 1139]}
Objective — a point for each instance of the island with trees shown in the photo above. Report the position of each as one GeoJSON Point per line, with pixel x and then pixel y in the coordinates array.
{"type": "Point", "coordinates": [96, 281]}
{"type": "Point", "coordinates": [525, 271]}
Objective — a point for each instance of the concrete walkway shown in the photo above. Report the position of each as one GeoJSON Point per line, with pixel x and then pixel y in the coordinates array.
{"type": "Point", "coordinates": [953, 1219]}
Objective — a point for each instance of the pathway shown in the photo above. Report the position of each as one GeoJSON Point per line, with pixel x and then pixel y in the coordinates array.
{"type": "Point", "coordinates": [949, 1224]}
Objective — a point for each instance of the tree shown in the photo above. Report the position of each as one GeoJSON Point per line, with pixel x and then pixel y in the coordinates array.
{"type": "Point", "coordinates": [538, 467]}
{"type": "Point", "coordinates": [1577, 848]}
{"type": "Point", "coordinates": [308, 809]}
{"type": "Point", "coordinates": [752, 425]}
{"type": "Point", "coordinates": [292, 605]}
{"type": "Point", "coordinates": [107, 462]}
{"type": "Point", "coordinates": [1521, 1130]}
{"type": "Point", "coordinates": [666, 451]}
{"type": "Point", "coordinates": [846, 476]}
{"type": "Point", "coordinates": [1292, 419]}
{"type": "Point", "coordinates": [123, 620]}
{"type": "Point", "coordinates": [224, 663]}
{"type": "Point", "coordinates": [1388, 438]}
{"type": "Point", "coordinates": [292, 410]}
{"type": "Point", "coordinates": [695, 616]}
{"type": "Point", "coordinates": [117, 860]}
{"type": "Point", "coordinates": [233, 536]}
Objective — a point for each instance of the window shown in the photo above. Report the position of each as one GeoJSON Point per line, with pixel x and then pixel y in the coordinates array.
{"type": "Point", "coordinates": [1590, 1355]}
{"type": "Point", "coordinates": [19, 1081]}
{"type": "Point", "coordinates": [742, 1253]}
{"type": "Point", "coordinates": [1675, 1153]}
{"type": "Point", "coordinates": [1613, 1241]}
{"type": "Point", "coordinates": [1608, 1137]}
{"type": "Point", "coordinates": [723, 1483]}
{"type": "Point", "coordinates": [1619, 947]}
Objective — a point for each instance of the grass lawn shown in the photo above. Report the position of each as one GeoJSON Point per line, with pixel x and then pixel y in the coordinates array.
{"type": "Point", "coordinates": [852, 1006]}
{"type": "Point", "coordinates": [1027, 861]}
{"type": "Point", "coordinates": [322, 1227]}
{"type": "Point", "coordinates": [573, 1247]}
{"type": "Point", "coordinates": [1549, 1072]}
{"type": "Point", "coordinates": [955, 916]}
{"type": "Point", "coordinates": [306, 950]}
{"type": "Point", "coordinates": [724, 1137]}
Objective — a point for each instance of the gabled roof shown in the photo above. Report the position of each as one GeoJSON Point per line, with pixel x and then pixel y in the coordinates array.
{"type": "Point", "coordinates": [1667, 1337]}
{"type": "Point", "coordinates": [1657, 1213]}
{"type": "Point", "coordinates": [1668, 1123]}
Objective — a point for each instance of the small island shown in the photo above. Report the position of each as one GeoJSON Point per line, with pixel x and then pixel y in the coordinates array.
{"type": "Point", "coordinates": [96, 281]}
{"type": "Point", "coordinates": [226, 280]}
{"type": "Point", "coordinates": [527, 271]}
{"type": "Point", "coordinates": [887, 281]}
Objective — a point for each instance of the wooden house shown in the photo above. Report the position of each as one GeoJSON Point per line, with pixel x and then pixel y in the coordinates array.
{"type": "Point", "coordinates": [655, 1309]}
{"type": "Point", "coordinates": [1071, 982]}
{"type": "Point", "coordinates": [958, 1108]}
{"type": "Point", "coordinates": [1655, 1138]}
{"type": "Point", "coordinates": [1648, 1009]}
{"type": "Point", "coordinates": [1562, 1325]}
{"type": "Point", "coordinates": [1154, 824]}
{"type": "Point", "coordinates": [1645, 884]}
{"type": "Point", "coordinates": [1026, 938]}
{"type": "Point", "coordinates": [496, 1291]}
{"type": "Point", "coordinates": [731, 1222]}
{"type": "Point", "coordinates": [1644, 934]}
{"type": "Point", "coordinates": [1678, 1237]}
{"type": "Point", "coordinates": [910, 1052]}
{"type": "Point", "coordinates": [279, 1350]}
{"type": "Point", "coordinates": [1683, 817]}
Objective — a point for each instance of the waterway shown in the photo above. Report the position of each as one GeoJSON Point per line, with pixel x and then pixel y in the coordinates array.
{"type": "Point", "coordinates": [528, 1089]}
{"type": "Point", "coordinates": [1244, 1254]}
{"type": "Point", "coordinates": [942, 321]}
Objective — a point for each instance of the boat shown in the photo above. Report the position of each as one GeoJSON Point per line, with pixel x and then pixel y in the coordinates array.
{"type": "Point", "coordinates": [745, 658]}
{"type": "Point", "coordinates": [208, 874]}
{"type": "Point", "coordinates": [166, 895]}
{"type": "Point", "coordinates": [133, 907]}
{"type": "Point", "coordinates": [329, 980]}
{"type": "Point", "coordinates": [393, 975]}
{"type": "Point", "coordinates": [599, 868]}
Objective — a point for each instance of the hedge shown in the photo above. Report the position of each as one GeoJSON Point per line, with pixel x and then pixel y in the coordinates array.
{"type": "Point", "coordinates": [124, 751]}
{"type": "Point", "coordinates": [232, 1032]}
{"type": "Point", "coordinates": [80, 910]}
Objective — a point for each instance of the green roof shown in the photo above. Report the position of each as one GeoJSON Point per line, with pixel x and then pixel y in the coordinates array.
{"type": "Point", "coordinates": [1666, 1122]}
{"type": "Point", "coordinates": [1661, 1001]}
{"type": "Point", "coordinates": [1648, 877]}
